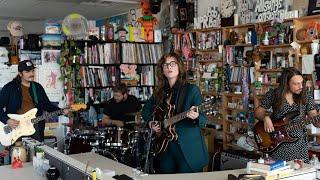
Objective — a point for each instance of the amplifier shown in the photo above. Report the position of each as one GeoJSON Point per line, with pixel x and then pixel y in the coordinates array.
{"type": "Point", "coordinates": [236, 159]}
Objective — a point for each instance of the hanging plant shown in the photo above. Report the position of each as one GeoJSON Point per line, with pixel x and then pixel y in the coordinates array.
{"type": "Point", "coordinates": [70, 67]}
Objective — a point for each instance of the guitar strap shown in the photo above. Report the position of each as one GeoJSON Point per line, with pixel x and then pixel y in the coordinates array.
{"type": "Point", "coordinates": [35, 96]}
{"type": "Point", "coordinates": [181, 99]}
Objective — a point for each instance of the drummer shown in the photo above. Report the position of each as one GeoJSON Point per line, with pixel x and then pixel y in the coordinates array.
{"type": "Point", "coordinates": [119, 111]}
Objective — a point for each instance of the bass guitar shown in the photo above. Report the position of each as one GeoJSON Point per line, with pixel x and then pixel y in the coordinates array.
{"type": "Point", "coordinates": [25, 128]}
{"type": "Point", "coordinates": [164, 116]}
{"type": "Point", "coordinates": [268, 142]}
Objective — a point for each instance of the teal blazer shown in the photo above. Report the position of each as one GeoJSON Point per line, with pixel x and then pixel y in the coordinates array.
{"type": "Point", "coordinates": [189, 133]}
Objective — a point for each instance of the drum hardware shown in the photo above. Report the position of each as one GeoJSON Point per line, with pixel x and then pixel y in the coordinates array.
{"type": "Point", "coordinates": [119, 144]}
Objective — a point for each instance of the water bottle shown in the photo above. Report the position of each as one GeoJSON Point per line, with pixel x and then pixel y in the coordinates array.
{"type": "Point", "coordinates": [314, 160]}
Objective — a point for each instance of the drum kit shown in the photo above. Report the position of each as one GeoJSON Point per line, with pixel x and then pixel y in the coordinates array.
{"type": "Point", "coordinates": [117, 143]}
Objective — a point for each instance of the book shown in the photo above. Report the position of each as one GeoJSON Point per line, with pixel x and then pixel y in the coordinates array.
{"type": "Point", "coordinates": [269, 167]}
{"type": "Point", "coordinates": [268, 172]}
{"type": "Point", "coordinates": [280, 174]}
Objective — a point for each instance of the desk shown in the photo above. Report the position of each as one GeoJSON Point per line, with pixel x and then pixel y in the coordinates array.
{"type": "Point", "coordinates": [95, 160]}
{"type": "Point", "coordinates": [104, 163]}
{"type": "Point", "coordinates": [25, 173]}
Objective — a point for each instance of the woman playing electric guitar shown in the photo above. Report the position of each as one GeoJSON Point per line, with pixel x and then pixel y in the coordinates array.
{"type": "Point", "coordinates": [188, 152]}
{"type": "Point", "coordinates": [290, 96]}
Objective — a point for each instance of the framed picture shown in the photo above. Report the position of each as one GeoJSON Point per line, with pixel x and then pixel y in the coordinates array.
{"type": "Point", "coordinates": [50, 56]}
{"type": "Point", "coordinates": [183, 14]}
{"type": "Point", "coordinates": [109, 33]}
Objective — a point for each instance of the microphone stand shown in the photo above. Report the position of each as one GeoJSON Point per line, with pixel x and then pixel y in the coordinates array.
{"type": "Point", "coordinates": [148, 164]}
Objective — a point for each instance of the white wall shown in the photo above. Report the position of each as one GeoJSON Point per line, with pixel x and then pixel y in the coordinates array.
{"type": "Point", "coordinates": [204, 4]}
{"type": "Point", "coordinates": [30, 27]}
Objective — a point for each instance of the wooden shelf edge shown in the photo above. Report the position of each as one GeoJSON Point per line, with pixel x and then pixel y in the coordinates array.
{"type": "Point", "coordinates": [274, 46]}
{"type": "Point", "coordinates": [270, 70]}
{"type": "Point", "coordinates": [240, 26]}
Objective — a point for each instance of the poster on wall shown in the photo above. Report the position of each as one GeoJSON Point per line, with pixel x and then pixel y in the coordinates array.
{"type": "Point", "coordinates": [49, 79]}
{"type": "Point", "coordinates": [7, 73]}
{"type": "Point", "coordinates": [49, 56]}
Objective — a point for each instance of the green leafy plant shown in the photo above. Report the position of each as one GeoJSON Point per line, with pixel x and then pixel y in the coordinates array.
{"type": "Point", "coordinates": [70, 67]}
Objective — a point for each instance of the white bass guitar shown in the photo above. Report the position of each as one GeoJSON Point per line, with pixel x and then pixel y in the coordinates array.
{"type": "Point", "coordinates": [25, 128]}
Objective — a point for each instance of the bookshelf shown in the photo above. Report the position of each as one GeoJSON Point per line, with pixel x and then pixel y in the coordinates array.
{"type": "Point", "coordinates": [260, 62]}
{"type": "Point", "coordinates": [209, 63]}
{"type": "Point", "coordinates": [96, 66]}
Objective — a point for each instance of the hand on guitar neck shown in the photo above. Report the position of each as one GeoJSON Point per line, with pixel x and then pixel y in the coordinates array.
{"type": "Point", "coordinates": [193, 113]}
{"type": "Point", "coordinates": [12, 123]}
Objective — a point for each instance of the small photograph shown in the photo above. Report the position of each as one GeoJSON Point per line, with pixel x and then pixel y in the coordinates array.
{"type": "Point", "coordinates": [50, 56]}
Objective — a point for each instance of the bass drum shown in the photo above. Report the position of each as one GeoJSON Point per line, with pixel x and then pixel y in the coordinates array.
{"type": "Point", "coordinates": [81, 141]}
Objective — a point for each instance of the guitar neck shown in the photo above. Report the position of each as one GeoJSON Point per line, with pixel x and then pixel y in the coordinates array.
{"type": "Point", "coordinates": [175, 119]}
{"type": "Point", "coordinates": [204, 107]}
{"type": "Point", "coordinates": [47, 116]}
{"type": "Point", "coordinates": [300, 125]}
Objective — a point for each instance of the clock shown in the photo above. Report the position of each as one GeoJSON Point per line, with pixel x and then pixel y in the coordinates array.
{"type": "Point", "coordinates": [227, 8]}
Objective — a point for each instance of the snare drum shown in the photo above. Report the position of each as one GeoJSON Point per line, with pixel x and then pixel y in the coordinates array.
{"type": "Point", "coordinates": [116, 137]}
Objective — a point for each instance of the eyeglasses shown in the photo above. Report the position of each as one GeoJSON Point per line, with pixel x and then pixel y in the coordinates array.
{"type": "Point", "coordinates": [171, 64]}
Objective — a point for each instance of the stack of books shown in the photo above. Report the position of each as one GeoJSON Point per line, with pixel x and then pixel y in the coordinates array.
{"type": "Point", "coordinates": [276, 170]}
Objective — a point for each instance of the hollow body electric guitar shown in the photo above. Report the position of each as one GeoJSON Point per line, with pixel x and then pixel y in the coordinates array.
{"type": "Point", "coordinates": [25, 128]}
{"type": "Point", "coordinates": [268, 142]}
{"type": "Point", "coordinates": [164, 116]}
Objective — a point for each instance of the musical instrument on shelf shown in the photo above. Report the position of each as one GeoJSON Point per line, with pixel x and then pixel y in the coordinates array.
{"type": "Point", "coordinates": [164, 116]}
{"type": "Point", "coordinates": [268, 142]}
{"type": "Point", "coordinates": [25, 128]}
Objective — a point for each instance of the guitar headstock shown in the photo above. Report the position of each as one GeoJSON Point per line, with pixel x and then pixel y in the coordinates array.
{"type": "Point", "coordinates": [77, 107]}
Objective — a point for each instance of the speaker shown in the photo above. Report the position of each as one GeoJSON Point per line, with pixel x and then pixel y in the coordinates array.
{"type": "Point", "coordinates": [4, 41]}
{"type": "Point", "coordinates": [236, 159]}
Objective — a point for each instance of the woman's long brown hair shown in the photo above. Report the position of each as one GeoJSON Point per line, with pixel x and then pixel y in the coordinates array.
{"type": "Point", "coordinates": [283, 88]}
{"type": "Point", "coordinates": [162, 82]}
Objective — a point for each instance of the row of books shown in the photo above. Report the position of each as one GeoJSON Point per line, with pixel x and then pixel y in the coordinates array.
{"type": "Point", "coordinates": [184, 40]}
{"type": "Point", "coordinates": [209, 41]}
{"type": "Point", "coordinates": [237, 55]}
{"type": "Point", "coordinates": [237, 74]}
{"type": "Point", "coordinates": [142, 93]}
{"type": "Point", "coordinates": [141, 53]}
{"type": "Point", "coordinates": [147, 75]}
{"type": "Point", "coordinates": [275, 61]}
{"type": "Point", "coordinates": [97, 96]}
{"type": "Point", "coordinates": [101, 54]}
{"type": "Point", "coordinates": [93, 76]}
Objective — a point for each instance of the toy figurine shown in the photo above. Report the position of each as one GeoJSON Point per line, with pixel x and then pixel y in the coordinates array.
{"type": "Point", "coordinates": [122, 33]}
{"type": "Point", "coordinates": [147, 20]}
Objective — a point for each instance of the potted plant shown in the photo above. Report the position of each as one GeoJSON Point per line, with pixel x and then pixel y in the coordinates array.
{"type": "Point", "coordinates": [280, 29]}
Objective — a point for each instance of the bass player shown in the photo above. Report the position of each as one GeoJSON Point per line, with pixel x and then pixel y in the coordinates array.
{"type": "Point", "coordinates": [22, 94]}
{"type": "Point", "coordinates": [188, 153]}
{"type": "Point", "coordinates": [290, 96]}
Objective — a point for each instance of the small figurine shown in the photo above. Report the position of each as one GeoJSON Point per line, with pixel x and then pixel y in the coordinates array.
{"type": "Point", "coordinates": [147, 20]}
{"type": "Point", "coordinates": [122, 33]}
